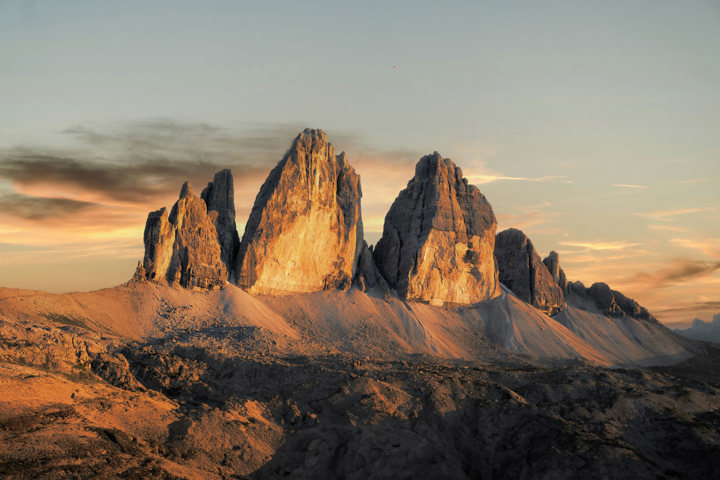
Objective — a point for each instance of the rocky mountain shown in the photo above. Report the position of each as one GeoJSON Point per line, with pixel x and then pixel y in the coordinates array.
{"type": "Point", "coordinates": [344, 375]}
{"type": "Point", "coordinates": [522, 271]}
{"type": "Point", "coordinates": [305, 231]}
{"type": "Point", "coordinates": [607, 301]}
{"type": "Point", "coordinates": [182, 248]}
{"type": "Point", "coordinates": [702, 330]}
{"type": "Point", "coordinates": [438, 238]}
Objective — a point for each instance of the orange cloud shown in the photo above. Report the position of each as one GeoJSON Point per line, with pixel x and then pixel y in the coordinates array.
{"type": "Point", "coordinates": [601, 246]}
{"type": "Point", "coordinates": [710, 247]}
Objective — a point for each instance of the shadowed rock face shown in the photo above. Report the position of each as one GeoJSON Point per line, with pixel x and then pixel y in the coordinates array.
{"type": "Point", "coordinates": [305, 231]}
{"type": "Point", "coordinates": [438, 238]}
{"type": "Point", "coordinates": [552, 262]}
{"type": "Point", "coordinates": [219, 196]}
{"type": "Point", "coordinates": [522, 271]}
{"type": "Point", "coordinates": [182, 248]}
{"type": "Point", "coordinates": [610, 302]}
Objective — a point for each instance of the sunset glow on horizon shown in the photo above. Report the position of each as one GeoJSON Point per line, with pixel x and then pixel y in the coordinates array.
{"type": "Point", "coordinates": [592, 128]}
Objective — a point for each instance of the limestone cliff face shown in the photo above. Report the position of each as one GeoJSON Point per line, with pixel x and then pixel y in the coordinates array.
{"type": "Point", "coordinates": [182, 248]}
{"type": "Point", "coordinates": [522, 271]}
{"type": "Point", "coordinates": [438, 238]}
{"type": "Point", "coordinates": [305, 230]}
{"type": "Point", "coordinates": [219, 196]}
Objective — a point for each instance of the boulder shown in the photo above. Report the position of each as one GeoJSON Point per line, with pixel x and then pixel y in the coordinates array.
{"type": "Point", "coordinates": [438, 238]}
{"type": "Point", "coordinates": [522, 271]}
{"type": "Point", "coordinates": [305, 230]}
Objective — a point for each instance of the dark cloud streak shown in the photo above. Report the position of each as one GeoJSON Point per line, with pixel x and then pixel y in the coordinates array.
{"type": "Point", "coordinates": [38, 208]}
{"type": "Point", "coordinates": [680, 270]}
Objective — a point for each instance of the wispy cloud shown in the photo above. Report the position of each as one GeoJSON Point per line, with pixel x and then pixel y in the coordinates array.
{"type": "Point", "coordinates": [666, 215]}
{"type": "Point", "coordinates": [600, 246]}
{"type": "Point", "coordinates": [668, 228]}
{"type": "Point", "coordinates": [625, 185]}
{"type": "Point", "coordinates": [529, 216]}
{"type": "Point", "coordinates": [482, 179]}
{"type": "Point", "coordinates": [679, 270]}
{"type": "Point", "coordinates": [710, 247]}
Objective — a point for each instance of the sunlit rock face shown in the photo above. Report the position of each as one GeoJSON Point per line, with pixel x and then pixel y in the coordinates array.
{"type": "Point", "coordinates": [305, 230]}
{"type": "Point", "coordinates": [438, 238]}
{"type": "Point", "coordinates": [182, 248]}
{"type": "Point", "coordinates": [522, 271]}
{"type": "Point", "coordinates": [219, 196]}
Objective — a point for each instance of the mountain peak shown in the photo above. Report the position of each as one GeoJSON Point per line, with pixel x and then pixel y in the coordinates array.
{"type": "Point", "coordinates": [438, 238]}
{"type": "Point", "coordinates": [305, 230]}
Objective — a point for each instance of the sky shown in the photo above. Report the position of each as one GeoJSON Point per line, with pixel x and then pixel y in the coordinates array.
{"type": "Point", "coordinates": [594, 127]}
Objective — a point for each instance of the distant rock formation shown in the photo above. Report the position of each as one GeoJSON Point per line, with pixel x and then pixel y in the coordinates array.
{"type": "Point", "coordinates": [219, 196]}
{"type": "Point", "coordinates": [522, 271]}
{"type": "Point", "coordinates": [552, 262]}
{"type": "Point", "coordinates": [438, 238]}
{"type": "Point", "coordinates": [305, 231]}
{"type": "Point", "coordinates": [182, 248]}
{"type": "Point", "coordinates": [702, 330]}
{"type": "Point", "coordinates": [609, 302]}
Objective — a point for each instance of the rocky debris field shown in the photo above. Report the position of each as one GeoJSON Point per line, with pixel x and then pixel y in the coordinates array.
{"type": "Point", "coordinates": [229, 402]}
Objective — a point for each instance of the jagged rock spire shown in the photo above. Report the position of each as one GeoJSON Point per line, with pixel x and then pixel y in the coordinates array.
{"type": "Point", "coordinates": [305, 230]}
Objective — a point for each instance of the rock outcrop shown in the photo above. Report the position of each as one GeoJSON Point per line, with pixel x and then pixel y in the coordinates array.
{"type": "Point", "coordinates": [305, 230]}
{"type": "Point", "coordinates": [522, 271]}
{"type": "Point", "coordinates": [368, 276]}
{"type": "Point", "coordinates": [182, 247]}
{"type": "Point", "coordinates": [552, 262]}
{"type": "Point", "coordinates": [438, 238]}
{"type": "Point", "coordinates": [609, 302]}
{"type": "Point", "coordinates": [219, 196]}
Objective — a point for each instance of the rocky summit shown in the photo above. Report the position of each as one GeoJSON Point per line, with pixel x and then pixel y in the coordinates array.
{"type": "Point", "coordinates": [182, 248]}
{"type": "Point", "coordinates": [522, 271]}
{"type": "Point", "coordinates": [305, 230]}
{"type": "Point", "coordinates": [438, 238]}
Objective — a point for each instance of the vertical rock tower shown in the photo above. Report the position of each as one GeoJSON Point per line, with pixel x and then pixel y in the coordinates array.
{"type": "Point", "coordinates": [522, 271]}
{"type": "Point", "coordinates": [182, 248]}
{"type": "Point", "coordinates": [305, 231]}
{"type": "Point", "coordinates": [219, 196]}
{"type": "Point", "coordinates": [438, 238]}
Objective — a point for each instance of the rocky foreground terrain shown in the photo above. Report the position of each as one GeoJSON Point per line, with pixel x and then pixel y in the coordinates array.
{"type": "Point", "coordinates": [234, 402]}
{"type": "Point", "coordinates": [199, 396]}
{"type": "Point", "coordinates": [447, 351]}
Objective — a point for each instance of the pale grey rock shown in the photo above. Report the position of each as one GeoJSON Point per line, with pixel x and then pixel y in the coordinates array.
{"type": "Point", "coordinates": [438, 238]}
{"type": "Point", "coordinates": [522, 271]}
